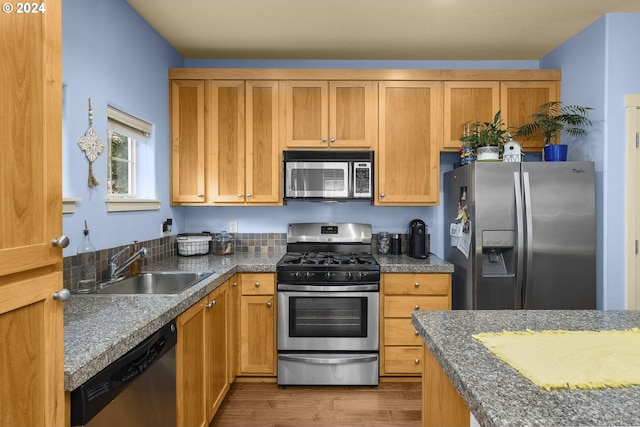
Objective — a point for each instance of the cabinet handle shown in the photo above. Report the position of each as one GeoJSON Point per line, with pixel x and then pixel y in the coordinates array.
{"type": "Point", "coordinates": [324, 139]}
{"type": "Point", "coordinates": [381, 194]}
{"type": "Point", "coordinates": [417, 361]}
{"type": "Point", "coordinates": [417, 333]}
{"type": "Point", "coordinates": [417, 307]}
{"type": "Point", "coordinates": [211, 304]}
{"type": "Point", "coordinates": [269, 304]}
{"type": "Point", "coordinates": [257, 284]}
{"type": "Point", "coordinates": [199, 194]}
{"type": "Point", "coordinates": [240, 194]}
{"type": "Point", "coordinates": [234, 284]}
{"type": "Point", "coordinates": [248, 194]}
{"type": "Point", "coordinates": [417, 285]}
{"type": "Point", "coordinates": [60, 242]}
{"type": "Point", "coordinates": [61, 295]}
{"type": "Point", "coordinates": [333, 139]}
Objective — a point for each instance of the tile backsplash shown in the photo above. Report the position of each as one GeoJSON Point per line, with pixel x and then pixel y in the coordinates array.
{"type": "Point", "coordinates": [166, 247]}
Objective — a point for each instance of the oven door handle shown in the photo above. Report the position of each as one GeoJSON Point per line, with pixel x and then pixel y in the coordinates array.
{"type": "Point", "coordinates": [329, 361]}
{"type": "Point", "coordinates": [329, 288]}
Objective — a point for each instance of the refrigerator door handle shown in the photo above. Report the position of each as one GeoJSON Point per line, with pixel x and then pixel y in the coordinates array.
{"type": "Point", "coordinates": [528, 236]}
{"type": "Point", "coordinates": [519, 240]}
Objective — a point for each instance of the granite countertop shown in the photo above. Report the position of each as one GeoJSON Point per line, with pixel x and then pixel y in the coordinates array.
{"type": "Point", "coordinates": [99, 328]}
{"type": "Point", "coordinates": [497, 395]}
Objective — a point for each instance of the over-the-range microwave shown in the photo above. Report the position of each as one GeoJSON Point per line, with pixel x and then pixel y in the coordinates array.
{"type": "Point", "coordinates": [328, 175]}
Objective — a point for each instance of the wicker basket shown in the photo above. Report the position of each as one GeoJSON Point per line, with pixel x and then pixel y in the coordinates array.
{"type": "Point", "coordinates": [193, 245]}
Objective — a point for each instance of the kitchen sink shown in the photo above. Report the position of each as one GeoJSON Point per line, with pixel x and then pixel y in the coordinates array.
{"type": "Point", "coordinates": [153, 282]}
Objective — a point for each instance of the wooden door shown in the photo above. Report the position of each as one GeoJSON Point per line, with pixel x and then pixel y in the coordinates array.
{"type": "Point", "coordinates": [305, 114]}
{"type": "Point", "coordinates": [257, 335]}
{"type": "Point", "coordinates": [191, 407]}
{"type": "Point", "coordinates": [262, 162]}
{"type": "Point", "coordinates": [225, 141]}
{"type": "Point", "coordinates": [31, 322]}
{"type": "Point", "coordinates": [520, 99]}
{"type": "Point", "coordinates": [353, 114]}
{"type": "Point", "coordinates": [410, 137]}
{"type": "Point", "coordinates": [464, 102]}
{"type": "Point", "coordinates": [187, 142]}
{"type": "Point", "coordinates": [216, 327]}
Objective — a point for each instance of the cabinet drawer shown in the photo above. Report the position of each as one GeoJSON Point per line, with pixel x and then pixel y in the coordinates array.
{"type": "Point", "coordinates": [400, 332]}
{"type": "Point", "coordinates": [417, 284]}
{"type": "Point", "coordinates": [403, 360]}
{"type": "Point", "coordinates": [402, 306]}
{"type": "Point", "coordinates": [258, 284]}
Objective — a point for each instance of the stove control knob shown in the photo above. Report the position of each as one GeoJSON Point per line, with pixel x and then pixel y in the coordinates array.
{"type": "Point", "coordinates": [308, 275]}
{"type": "Point", "coordinates": [349, 275]}
{"type": "Point", "coordinates": [328, 275]}
{"type": "Point", "coordinates": [296, 274]}
{"type": "Point", "coordinates": [361, 275]}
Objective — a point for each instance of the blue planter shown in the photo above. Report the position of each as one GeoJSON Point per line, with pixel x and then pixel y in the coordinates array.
{"type": "Point", "coordinates": [555, 153]}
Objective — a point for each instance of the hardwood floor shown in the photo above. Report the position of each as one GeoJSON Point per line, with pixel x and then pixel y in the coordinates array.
{"type": "Point", "coordinates": [267, 405]}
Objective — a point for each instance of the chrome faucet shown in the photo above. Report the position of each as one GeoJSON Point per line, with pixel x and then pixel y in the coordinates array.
{"type": "Point", "coordinates": [115, 270]}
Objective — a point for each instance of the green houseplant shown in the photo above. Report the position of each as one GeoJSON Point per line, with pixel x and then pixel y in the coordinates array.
{"type": "Point", "coordinates": [487, 138]}
{"type": "Point", "coordinates": [551, 120]}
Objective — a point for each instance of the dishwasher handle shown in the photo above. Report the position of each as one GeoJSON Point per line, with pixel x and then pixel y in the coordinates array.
{"type": "Point", "coordinates": [92, 396]}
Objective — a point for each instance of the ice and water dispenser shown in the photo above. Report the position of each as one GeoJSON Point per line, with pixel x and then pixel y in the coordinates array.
{"type": "Point", "coordinates": [498, 253]}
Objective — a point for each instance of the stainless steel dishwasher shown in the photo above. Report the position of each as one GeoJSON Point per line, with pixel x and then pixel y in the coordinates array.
{"type": "Point", "coordinates": [138, 389]}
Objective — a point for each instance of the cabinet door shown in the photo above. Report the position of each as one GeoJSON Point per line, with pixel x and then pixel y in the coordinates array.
{"type": "Point", "coordinates": [262, 163]}
{"type": "Point", "coordinates": [353, 115]}
{"type": "Point", "coordinates": [520, 99]}
{"type": "Point", "coordinates": [410, 137]}
{"type": "Point", "coordinates": [187, 141]}
{"type": "Point", "coordinates": [216, 327]}
{"type": "Point", "coordinates": [305, 114]}
{"type": "Point", "coordinates": [467, 102]}
{"type": "Point", "coordinates": [233, 320]}
{"type": "Point", "coordinates": [31, 322]}
{"type": "Point", "coordinates": [191, 407]}
{"type": "Point", "coordinates": [257, 335]}
{"type": "Point", "coordinates": [225, 140]}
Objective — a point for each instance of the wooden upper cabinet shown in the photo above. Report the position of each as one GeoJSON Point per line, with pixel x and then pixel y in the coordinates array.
{"type": "Point", "coordinates": [262, 165]}
{"type": "Point", "coordinates": [410, 137]}
{"type": "Point", "coordinates": [224, 136]}
{"type": "Point", "coordinates": [474, 101]}
{"type": "Point", "coordinates": [31, 321]}
{"type": "Point", "coordinates": [324, 114]}
{"type": "Point", "coordinates": [520, 99]}
{"type": "Point", "coordinates": [187, 141]}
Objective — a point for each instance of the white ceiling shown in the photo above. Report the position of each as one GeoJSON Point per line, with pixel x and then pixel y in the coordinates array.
{"type": "Point", "coordinates": [373, 29]}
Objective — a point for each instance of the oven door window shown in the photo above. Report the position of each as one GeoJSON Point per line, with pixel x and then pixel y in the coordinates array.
{"type": "Point", "coordinates": [317, 316]}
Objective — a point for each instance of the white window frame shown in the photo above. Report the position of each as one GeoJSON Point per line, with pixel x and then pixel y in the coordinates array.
{"type": "Point", "coordinates": [138, 132]}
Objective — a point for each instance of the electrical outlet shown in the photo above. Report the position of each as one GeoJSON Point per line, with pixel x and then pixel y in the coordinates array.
{"type": "Point", "coordinates": [233, 227]}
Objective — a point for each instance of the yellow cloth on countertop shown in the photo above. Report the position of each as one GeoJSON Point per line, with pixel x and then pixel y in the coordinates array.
{"type": "Point", "coordinates": [570, 359]}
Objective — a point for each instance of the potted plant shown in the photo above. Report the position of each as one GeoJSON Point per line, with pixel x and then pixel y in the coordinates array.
{"type": "Point", "coordinates": [551, 120]}
{"type": "Point", "coordinates": [487, 138]}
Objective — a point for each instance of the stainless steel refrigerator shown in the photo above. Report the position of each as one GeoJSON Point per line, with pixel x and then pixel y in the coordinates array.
{"type": "Point", "coordinates": [521, 235]}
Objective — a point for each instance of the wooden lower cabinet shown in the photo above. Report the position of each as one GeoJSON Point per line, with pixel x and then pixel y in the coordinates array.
{"type": "Point", "coordinates": [202, 358]}
{"type": "Point", "coordinates": [400, 346]}
{"type": "Point", "coordinates": [257, 325]}
{"type": "Point", "coordinates": [441, 403]}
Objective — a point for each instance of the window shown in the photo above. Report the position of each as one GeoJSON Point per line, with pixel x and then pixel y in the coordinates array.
{"type": "Point", "coordinates": [130, 168]}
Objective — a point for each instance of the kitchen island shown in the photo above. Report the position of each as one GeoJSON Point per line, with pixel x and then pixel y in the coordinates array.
{"type": "Point", "coordinates": [497, 395]}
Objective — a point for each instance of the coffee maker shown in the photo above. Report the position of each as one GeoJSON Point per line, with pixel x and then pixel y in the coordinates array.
{"type": "Point", "coordinates": [417, 239]}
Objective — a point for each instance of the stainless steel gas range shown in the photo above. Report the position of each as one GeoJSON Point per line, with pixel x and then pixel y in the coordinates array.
{"type": "Point", "coordinates": [328, 287]}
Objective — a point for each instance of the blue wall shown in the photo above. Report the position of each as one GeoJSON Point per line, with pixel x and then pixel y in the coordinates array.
{"type": "Point", "coordinates": [599, 66]}
{"type": "Point", "coordinates": [111, 55]}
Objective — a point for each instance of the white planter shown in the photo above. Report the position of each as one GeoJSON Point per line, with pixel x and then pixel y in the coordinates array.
{"type": "Point", "coordinates": [488, 153]}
